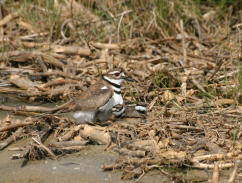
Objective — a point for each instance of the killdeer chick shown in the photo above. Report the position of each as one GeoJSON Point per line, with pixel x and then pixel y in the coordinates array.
{"type": "Point", "coordinates": [129, 111]}
{"type": "Point", "coordinates": [96, 102]}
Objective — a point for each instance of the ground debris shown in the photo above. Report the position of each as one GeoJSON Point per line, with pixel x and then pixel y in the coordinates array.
{"type": "Point", "coordinates": [187, 74]}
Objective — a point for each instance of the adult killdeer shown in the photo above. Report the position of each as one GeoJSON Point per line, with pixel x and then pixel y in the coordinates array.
{"type": "Point", "coordinates": [96, 102]}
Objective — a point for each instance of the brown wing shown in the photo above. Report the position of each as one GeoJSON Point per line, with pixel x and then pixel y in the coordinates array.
{"type": "Point", "coordinates": [93, 98]}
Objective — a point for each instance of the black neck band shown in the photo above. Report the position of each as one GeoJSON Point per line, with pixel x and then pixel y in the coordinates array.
{"type": "Point", "coordinates": [114, 84]}
{"type": "Point", "coordinates": [118, 92]}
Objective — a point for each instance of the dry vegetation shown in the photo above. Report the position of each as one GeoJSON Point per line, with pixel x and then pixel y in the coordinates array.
{"type": "Point", "coordinates": [185, 55]}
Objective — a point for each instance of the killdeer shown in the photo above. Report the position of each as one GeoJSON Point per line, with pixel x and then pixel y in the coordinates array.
{"type": "Point", "coordinates": [96, 102]}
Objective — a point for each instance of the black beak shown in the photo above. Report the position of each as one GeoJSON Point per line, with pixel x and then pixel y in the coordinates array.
{"type": "Point", "coordinates": [128, 79]}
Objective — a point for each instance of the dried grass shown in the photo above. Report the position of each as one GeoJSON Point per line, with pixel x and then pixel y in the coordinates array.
{"type": "Point", "coordinates": [186, 59]}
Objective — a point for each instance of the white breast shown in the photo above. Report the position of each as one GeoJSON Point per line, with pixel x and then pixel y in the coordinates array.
{"type": "Point", "coordinates": [116, 99]}
{"type": "Point", "coordinates": [83, 117]}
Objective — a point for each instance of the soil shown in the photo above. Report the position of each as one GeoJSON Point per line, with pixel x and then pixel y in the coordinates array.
{"type": "Point", "coordinates": [80, 167]}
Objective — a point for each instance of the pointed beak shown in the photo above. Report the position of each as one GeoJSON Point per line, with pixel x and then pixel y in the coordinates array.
{"type": "Point", "coordinates": [128, 79]}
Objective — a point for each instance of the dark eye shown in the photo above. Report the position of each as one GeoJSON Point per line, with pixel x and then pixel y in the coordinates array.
{"type": "Point", "coordinates": [117, 74]}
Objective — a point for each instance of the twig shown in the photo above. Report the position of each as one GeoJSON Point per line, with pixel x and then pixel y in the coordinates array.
{"type": "Point", "coordinates": [69, 143]}
{"type": "Point", "coordinates": [22, 82]}
{"type": "Point", "coordinates": [183, 44]}
{"type": "Point", "coordinates": [120, 21]}
{"type": "Point", "coordinates": [71, 50]}
{"type": "Point", "coordinates": [35, 108]}
{"type": "Point", "coordinates": [59, 82]}
{"type": "Point", "coordinates": [52, 155]}
{"type": "Point", "coordinates": [16, 126]}
{"type": "Point", "coordinates": [16, 149]}
{"type": "Point", "coordinates": [140, 177]}
{"type": "Point", "coordinates": [8, 18]}
{"type": "Point", "coordinates": [105, 46]}
{"type": "Point", "coordinates": [216, 70]}
{"type": "Point", "coordinates": [215, 177]}
{"type": "Point", "coordinates": [136, 153]}
{"type": "Point", "coordinates": [73, 131]}
{"type": "Point", "coordinates": [185, 127]}
{"type": "Point", "coordinates": [55, 73]}
{"type": "Point", "coordinates": [215, 156]}
{"type": "Point", "coordinates": [112, 166]}
{"type": "Point", "coordinates": [17, 156]}
{"type": "Point", "coordinates": [72, 148]}
{"type": "Point", "coordinates": [31, 37]}
{"type": "Point", "coordinates": [211, 166]}
{"type": "Point", "coordinates": [234, 172]}
{"type": "Point", "coordinates": [96, 135]}
{"type": "Point", "coordinates": [15, 136]}
{"type": "Point", "coordinates": [196, 83]}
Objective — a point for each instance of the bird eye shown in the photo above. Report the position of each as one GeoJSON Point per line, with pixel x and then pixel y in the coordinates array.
{"type": "Point", "coordinates": [117, 74]}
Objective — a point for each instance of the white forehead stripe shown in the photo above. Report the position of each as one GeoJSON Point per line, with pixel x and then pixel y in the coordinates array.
{"type": "Point", "coordinates": [140, 108]}
{"type": "Point", "coordinates": [104, 88]}
{"type": "Point", "coordinates": [114, 72]}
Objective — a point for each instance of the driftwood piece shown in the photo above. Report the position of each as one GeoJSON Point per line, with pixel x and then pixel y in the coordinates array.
{"type": "Point", "coordinates": [69, 143]}
{"type": "Point", "coordinates": [211, 166]}
{"type": "Point", "coordinates": [71, 50]}
{"type": "Point", "coordinates": [26, 108]}
{"type": "Point", "coordinates": [144, 145]}
{"type": "Point", "coordinates": [112, 166]}
{"type": "Point", "coordinates": [50, 93]}
{"type": "Point", "coordinates": [234, 172]}
{"type": "Point", "coordinates": [136, 153]}
{"type": "Point", "coordinates": [185, 127]}
{"type": "Point", "coordinates": [8, 18]}
{"type": "Point", "coordinates": [20, 55]}
{"type": "Point", "coordinates": [35, 108]}
{"type": "Point", "coordinates": [16, 149]}
{"type": "Point", "coordinates": [17, 156]}
{"type": "Point", "coordinates": [72, 148]}
{"type": "Point", "coordinates": [15, 136]}
{"type": "Point", "coordinates": [73, 131]}
{"type": "Point", "coordinates": [16, 125]}
{"type": "Point", "coordinates": [96, 134]}
{"type": "Point", "coordinates": [35, 151]}
{"type": "Point", "coordinates": [22, 82]}
{"type": "Point", "coordinates": [55, 73]}
{"type": "Point", "coordinates": [215, 156]}
{"type": "Point", "coordinates": [105, 46]}
{"type": "Point", "coordinates": [214, 148]}
{"type": "Point", "coordinates": [59, 82]}
{"type": "Point", "coordinates": [34, 36]}
{"type": "Point", "coordinates": [23, 56]}
{"type": "Point", "coordinates": [215, 177]}
{"type": "Point", "coordinates": [133, 161]}
{"type": "Point", "coordinates": [52, 155]}
{"type": "Point", "coordinates": [27, 26]}
{"type": "Point", "coordinates": [17, 91]}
